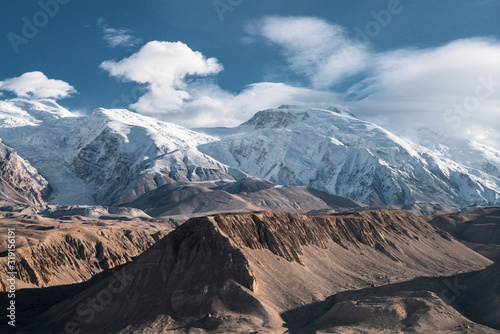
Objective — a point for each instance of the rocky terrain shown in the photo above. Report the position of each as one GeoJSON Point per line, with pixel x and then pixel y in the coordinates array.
{"type": "Point", "coordinates": [126, 224]}
{"type": "Point", "coordinates": [20, 183]}
{"type": "Point", "coordinates": [249, 272]}
{"type": "Point", "coordinates": [478, 228]}
{"type": "Point", "coordinates": [70, 248]}
{"type": "Point", "coordinates": [421, 305]}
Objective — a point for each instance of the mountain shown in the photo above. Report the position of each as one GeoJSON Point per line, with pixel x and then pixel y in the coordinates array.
{"type": "Point", "coordinates": [469, 153]}
{"type": "Point", "coordinates": [109, 157]}
{"type": "Point", "coordinates": [20, 183]}
{"type": "Point", "coordinates": [134, 154]}
{"type": "Point", "coordinates": [334, 151]}
{"type": "Point", "coordinates": [241, 273]}
{"type": "Point", "coordinates": [113, 157]}
{"type": "Point", "coordinates": [184, 200]}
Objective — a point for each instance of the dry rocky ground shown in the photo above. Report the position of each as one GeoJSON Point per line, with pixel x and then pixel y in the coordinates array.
{"type": "Point", "coordinates": [384, 271]}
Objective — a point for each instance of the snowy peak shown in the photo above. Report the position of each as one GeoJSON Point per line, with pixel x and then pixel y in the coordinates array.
{"type": "Point", "coordinates": [109, 157]}
{"type": "Point", "coordinates": [132, 154]}
{"type": "Point", "coordinates": [349, 157]}
{"type": "Point", "coordinates": [20, 112]}
{"type": "Point", "coordinates": [114, 156]}
{"type": "Point", "coordinates": [289, 115]}
{"type": "Point", "coordinates": [163, 134]}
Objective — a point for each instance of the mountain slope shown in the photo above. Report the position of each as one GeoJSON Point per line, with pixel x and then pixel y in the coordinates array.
{"type": "Point", "coordinates": [109, 157]}
{"type": "Point", "coordinates": [249, 194]}
{"type": "Point", "coordinates": [115, 156]}
{"type": "Point", "coordinates": [135, 154]}
{"type": "Point", "coordinates": [477, 228]}
{"type": "Point", "coordinates": [237, 273]}
{"type": "Point", "coordinates": [450, 304]}
{"type": "Point", "coordinates": [20, 183]}
{"type": "Point", "coordinates": [336, 152]}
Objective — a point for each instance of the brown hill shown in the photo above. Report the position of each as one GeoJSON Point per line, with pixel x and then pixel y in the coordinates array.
{"type": "Point", "coordinates": [422, 305]}
{"type": "Point", "coordinates": [240, 272]}
{"type": "Point", "coordinates": [185, 200]}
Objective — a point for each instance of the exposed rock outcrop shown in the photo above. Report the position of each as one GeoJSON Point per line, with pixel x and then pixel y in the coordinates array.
{"type": "Point", "coordinates": [20, 183]}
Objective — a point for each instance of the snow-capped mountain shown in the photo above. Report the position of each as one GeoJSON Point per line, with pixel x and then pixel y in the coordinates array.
{"type": "Point", "coordinates": [334, 151]}
{"type": "Point", "coordinates": [109, 157]}
{"type": "Point", "coordinates": [134, 154]}
{"type": "Point", "coordinates": [469, 153]}
{"type": "Point", "coordinates": [115, 156]}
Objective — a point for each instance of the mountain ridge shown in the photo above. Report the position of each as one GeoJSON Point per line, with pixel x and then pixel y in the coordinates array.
{"type": "Point", "coordinates": [349, 157]}
{"type": "Point", "coordinates": [113, 157]}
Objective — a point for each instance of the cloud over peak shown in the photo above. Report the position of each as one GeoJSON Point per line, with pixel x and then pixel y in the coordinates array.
{"type": "Point", "coordinates": [313, 47]}
{"type": "Point", "coordinates": [36, 85]}
{"type": "Point", "coordinates": [453, 89]}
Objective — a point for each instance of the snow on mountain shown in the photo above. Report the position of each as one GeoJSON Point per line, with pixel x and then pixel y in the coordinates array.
{"type": "Point", "coordinates": [469, 153]}
{"type": "Point", "coordinates": [334, 151]}
{"type": "Point", "coordinates": [39, 132]}
{"type": "Point", "coordinates": [134, 154]}
{"type": "Point", "coordinates": [109, 157]}
{"type": "Point", "coordinates": [115, 156]}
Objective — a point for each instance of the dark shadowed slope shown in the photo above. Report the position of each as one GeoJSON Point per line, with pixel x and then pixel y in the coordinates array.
{"type": "Point", "coordinates": [478, 228]}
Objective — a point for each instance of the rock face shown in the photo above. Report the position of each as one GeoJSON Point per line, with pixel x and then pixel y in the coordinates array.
{"type": "Point", "coordinates": [349, 157]}
{"type": "Point", "coordinates": [72, 249]}
{"type": "Point", "coordinates": [20, 183]}
{"type": "Point", "coordinates": [235, 273]}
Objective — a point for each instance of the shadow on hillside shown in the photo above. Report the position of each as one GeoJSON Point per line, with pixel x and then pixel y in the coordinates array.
{"type": "Point", "coordinates": [300, 320]}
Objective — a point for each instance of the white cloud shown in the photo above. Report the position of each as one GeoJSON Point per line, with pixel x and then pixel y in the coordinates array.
{"type": "Point", "coordinates": [115, 37]}
{"type": "Point", "coordinates": [315, 48]}
{"type": "Point", "coordinates": [444, 89]}
{"type": "Point", "coordinates": [163, 68]}
{"type": "Point", "coordinates": [212, 106]}
{"type": "Point", "coordinates": [403, 90]}
{"type": "Point", "coordinates": [36, 85]}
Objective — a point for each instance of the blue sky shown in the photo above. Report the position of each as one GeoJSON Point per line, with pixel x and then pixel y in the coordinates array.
{"type": "Point", "coordinates": [407, 70]}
